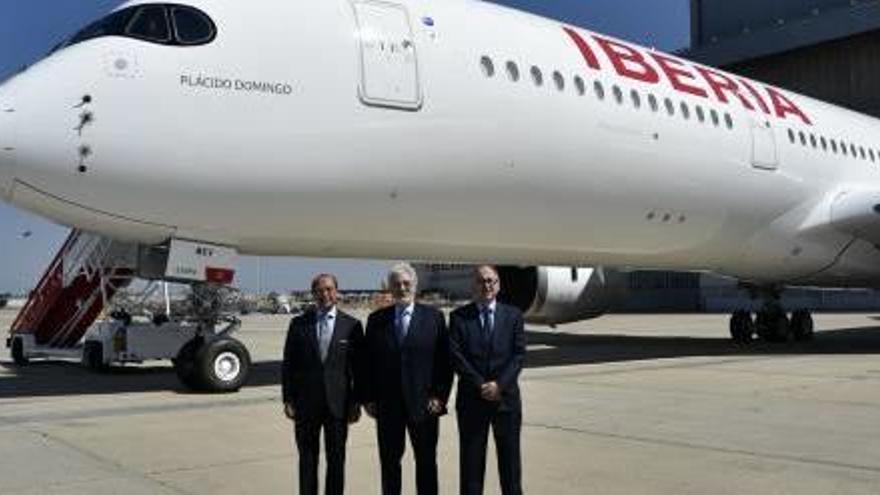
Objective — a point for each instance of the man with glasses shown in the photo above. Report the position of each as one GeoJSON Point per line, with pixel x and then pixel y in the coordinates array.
{"type": "Point", "coordinates": [409, 379]}
{"type": "Point", "coordinates": [488, 348]}
{"type": "Point", "coordinates": [318, 384]}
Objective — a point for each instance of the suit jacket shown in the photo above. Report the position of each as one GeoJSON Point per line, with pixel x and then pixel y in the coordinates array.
{"type": "Point", "coordinates": [312, 385]}
{"type": "Point", "coordinates": [413, 372]}
{"type": "Point", "coordinates": [477, 361]}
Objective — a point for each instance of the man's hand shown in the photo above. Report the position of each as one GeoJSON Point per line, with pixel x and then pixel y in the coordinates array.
{"type": "Point", "coordinates": [289, 411]}
{"type": "Point", "coordinates": [435, 406]}
{"type": "Point", "coordinates": [354, 414]}
{"type": "Point", "coordinates": [490, 391]}
{"type": "Point", "coordinates": [371, 409]}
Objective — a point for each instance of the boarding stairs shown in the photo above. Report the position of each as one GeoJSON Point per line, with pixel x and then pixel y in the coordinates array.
{"type": "Point", "coordinates": [78, 285]}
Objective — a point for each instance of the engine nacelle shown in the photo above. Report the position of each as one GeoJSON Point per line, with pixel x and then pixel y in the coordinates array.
{"type": "Point", "coordinates": [555, 295]}
{"type": "Point", "coordinates": [546, 295]}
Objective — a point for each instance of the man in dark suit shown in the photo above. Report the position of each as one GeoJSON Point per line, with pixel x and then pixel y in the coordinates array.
{"type": "Point", "coordinates": [488, 348]}
{"type": "Point", "coordinates": [409, 381]}
{"type": "Point", "coordinates": [318, 382]}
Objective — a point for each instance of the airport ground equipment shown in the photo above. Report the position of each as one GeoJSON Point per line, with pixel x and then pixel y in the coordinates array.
{"type": "Point", "coordinates": [85, 280]}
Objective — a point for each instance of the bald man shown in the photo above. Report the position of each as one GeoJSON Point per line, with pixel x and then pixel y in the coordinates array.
{"type": "Point", "coordinates": [488, 347]}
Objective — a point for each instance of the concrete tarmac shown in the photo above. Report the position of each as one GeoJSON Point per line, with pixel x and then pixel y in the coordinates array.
{"type": "Point", "coordinates": [626, 404]}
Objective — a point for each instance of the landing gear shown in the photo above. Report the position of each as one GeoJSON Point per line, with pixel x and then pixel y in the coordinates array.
{"type": "Point", "coordinates": [213, 361]}
{"type": "Point", "coordinates": [802, 325]}
{"type": "Point", "coordinates": [742, 327]}
{"type": "Point", "coordinates": [218, 365]}
{"type": "Point", "coordinates": [771, 323]}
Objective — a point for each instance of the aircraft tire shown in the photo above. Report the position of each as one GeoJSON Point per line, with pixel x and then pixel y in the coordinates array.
{"type": "Point", "coordinates": [773, 326]}
{"type": "Point", "coordinates": [802, 326]}
{"type": "Point", "coordinates": [223, 365]}
{"type": "Point", "coordinates": [185, 364]}
{"type": "Point", "coordinates": [742, 327]}
{"type": "Point", "coordinates": [17, 351]}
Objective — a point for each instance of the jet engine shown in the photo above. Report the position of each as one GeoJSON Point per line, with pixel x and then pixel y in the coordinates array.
{"type": "Point", "coordinates": [555, 295]}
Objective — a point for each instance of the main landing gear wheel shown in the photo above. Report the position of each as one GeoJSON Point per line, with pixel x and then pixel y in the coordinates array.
{"type": "Point", "coordinates": [219, 365]}
{"type": "Point", "coordinates": [802, 325]}
{"type": "Point", "coordinates": [742, 327]}
{"type": "Point", "coordinates": [18, 355]}
{"type": "Point", "coordinates": [773, 326]}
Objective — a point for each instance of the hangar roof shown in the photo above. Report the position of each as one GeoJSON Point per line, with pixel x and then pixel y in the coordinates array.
{"type": "Point", "coordinates": [726, 32]}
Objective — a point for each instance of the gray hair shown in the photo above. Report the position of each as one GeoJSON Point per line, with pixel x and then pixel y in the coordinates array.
{"type": "Point", "coordinates": [403, 269]}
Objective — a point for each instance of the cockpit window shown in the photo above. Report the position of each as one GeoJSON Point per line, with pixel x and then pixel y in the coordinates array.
{"type": "Point", "coordinates": [151, 24]}
{"type": "Point", "coordinates": [161, 23]}
{"type": "Point", "coordinates": [191, 27]}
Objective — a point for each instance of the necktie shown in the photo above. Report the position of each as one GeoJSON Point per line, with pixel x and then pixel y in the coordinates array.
{"type": "Point", "coordinates": [488, 322]}
{"type": "Point", "coordinates": [403, 325]}
{"type": "Point", "coordinates": [325, 322]}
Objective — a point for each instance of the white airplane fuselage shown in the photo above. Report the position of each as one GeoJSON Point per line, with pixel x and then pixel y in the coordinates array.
{"type": "Point", "coordinates": [324, 128]}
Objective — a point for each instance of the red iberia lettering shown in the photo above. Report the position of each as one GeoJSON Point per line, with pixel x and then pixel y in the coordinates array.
{"type": "Point", "coordinates": [756, 95]}
{"type": "Point", "coordinates": [783, 106]}
{"type": "Point", "coordinates": [678, 75]}
{"type": "Point", "coordinates": [721, 85]}
{"type": "Point", "coordinates": [586, 51]}
{"type": "Point", "coordinates": [627, 61]}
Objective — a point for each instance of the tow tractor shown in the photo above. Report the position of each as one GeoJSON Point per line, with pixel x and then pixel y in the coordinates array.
{"type": "Point", "coordinates": [85, 280]}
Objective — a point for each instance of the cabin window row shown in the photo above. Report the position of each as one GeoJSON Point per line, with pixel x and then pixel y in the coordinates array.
{"type": "Point", "coordinates": [811, 140]}
{"type": "Point", "coordinates": [633, 97]}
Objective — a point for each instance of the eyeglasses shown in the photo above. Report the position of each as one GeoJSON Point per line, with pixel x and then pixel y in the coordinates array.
{"type": "Point", "coordinates": [487, 281]}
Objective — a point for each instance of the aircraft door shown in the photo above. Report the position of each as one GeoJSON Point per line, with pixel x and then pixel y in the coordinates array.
{"type": "Point", "coordinates": [764, 155]}
{"type": "Point", "coordinates": [389, 63]}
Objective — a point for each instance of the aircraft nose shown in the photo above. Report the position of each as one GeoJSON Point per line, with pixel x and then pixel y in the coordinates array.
{"type": "Point", "coordinates": [7, 146]}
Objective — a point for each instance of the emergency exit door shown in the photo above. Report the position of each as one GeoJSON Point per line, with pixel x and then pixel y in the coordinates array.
{"type": "Point", "coordinates": [389, 63]}
{"type": "Point", "coordinates": [764, 155]}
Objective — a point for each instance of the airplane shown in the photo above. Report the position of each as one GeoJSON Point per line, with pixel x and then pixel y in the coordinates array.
{"type": "Point", "coordinates": [437, 131]}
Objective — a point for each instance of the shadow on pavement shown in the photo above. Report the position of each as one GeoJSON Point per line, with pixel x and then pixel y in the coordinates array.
{"type": "Point", "coordinates": [549, 349]}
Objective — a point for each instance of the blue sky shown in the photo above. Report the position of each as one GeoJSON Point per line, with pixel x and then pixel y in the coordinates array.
{"type": "Point", "coordinates": [29, 28]}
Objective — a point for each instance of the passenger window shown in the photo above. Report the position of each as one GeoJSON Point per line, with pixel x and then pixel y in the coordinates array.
{"type": "Point", "coordinates": [714, 115]}
{"type": "Point", "coordinates": [701, 116]}
{"type": "Point", "coordinates": [852, 147]}
{"type": "Point", "coordinates": [194, 28]}
{"type": "Point", "coordinates": [791, 136]}
{"type": "Point", "coordinates": [537, 76]}
{"type": "Point", "coordinates": [652, 102]}
{"type": "Point", "coordinates": [488, 66]}
{"type": "Point", "coordinates": [636, 99]}
{"type": "Point", "coordinates": [844, 148]}
{"type": "Point", "coordinates": [579, 85]}
{"type": "Point", "coordinates": [813, 140]}
{"type": "Point", "coordinates": [862, 153]}
{"type": "Point", "coordinates": [599, 90]}
{"type": "Point", "coordinates": [512, 71]}
{"type": "Point", "coordinates": [834, 146]}
{"type": "Point", "coordinates": [803, 138]}
{"type": "Point", "coordinates": [728, 121]}
{"type": "Point", "coordinates": [559, 81]}
{"type": "Point", "coordinates": [670, 107]}
{"type": "Point", "coordinates": [871, 154]}
{"type": "Point", "coordinates": [151, 24]}
{"type": "Point", "coordinates": [685, 111]}
{"type": "Point", "coordinates": [824, 143]}
{"type": "Point", "coordinates": [618, 94]}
